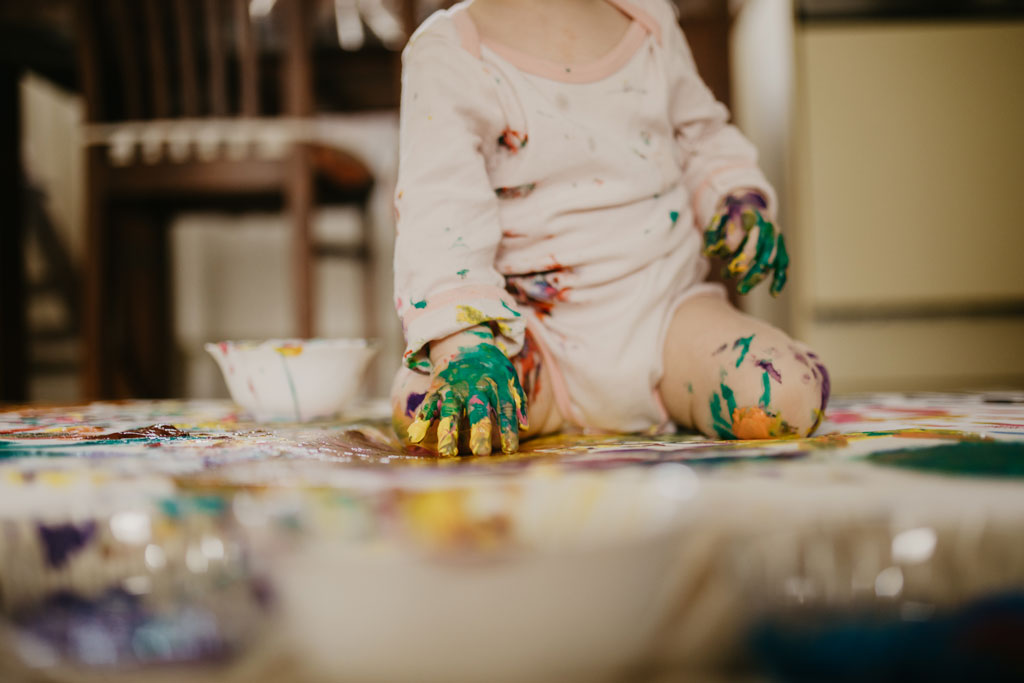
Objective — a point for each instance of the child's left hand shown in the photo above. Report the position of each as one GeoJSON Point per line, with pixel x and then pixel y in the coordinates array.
{"type": "Point", "coordinates": [740, 232]}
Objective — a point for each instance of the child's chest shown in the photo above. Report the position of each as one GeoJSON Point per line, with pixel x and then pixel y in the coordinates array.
{"type": "Point", "coordinates": [615, 130]}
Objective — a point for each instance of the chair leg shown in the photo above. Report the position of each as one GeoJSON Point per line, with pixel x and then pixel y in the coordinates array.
{"type": "Point", "coordinates": [13, 292]}
{"type": "Point", "coordinates": [96, 366]}
{"type": "Point", "coordinates": [300, 209]}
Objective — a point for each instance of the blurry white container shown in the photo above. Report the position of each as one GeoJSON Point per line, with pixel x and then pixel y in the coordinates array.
{"type": "Point", "coordinates": [293, 379]}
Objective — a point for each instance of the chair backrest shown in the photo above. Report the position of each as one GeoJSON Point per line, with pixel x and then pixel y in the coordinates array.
{"type": "Point", "coordinates": [165, 59]}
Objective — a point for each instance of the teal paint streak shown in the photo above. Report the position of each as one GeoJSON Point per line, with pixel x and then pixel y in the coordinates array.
{"type": "Point", "coordinates": [742, 343]}
{"type": "Point", "coordinates": [291, 388]}
{"type": "Point", "coordinates": [511, 310]}
{"type": "Point", "coordinates": [674, 215]}
{"type": "Point", "coordinates": [722, 426]}
{"type": "Point", "coordinates": [965, 458]}
{"type": "Point", "coordinates": [24, 448]}
{"type": "Point", "coordinates": [462, 273]}
{"type": "Point", "coordinates": [419, 304]}
{"type": "Point", "coordinates": [766, 396]}
{"type": "Point", "coordinates": [730, 399]}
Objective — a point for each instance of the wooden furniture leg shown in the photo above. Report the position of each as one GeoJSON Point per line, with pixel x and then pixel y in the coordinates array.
{"type": "Point", "coordinates": [299, 196]}
{"type": "Point", "coordinates": [96, 337]}
{"type": "Point", "coordinates": [13, 292]}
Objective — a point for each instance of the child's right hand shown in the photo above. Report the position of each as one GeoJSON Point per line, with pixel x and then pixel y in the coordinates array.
{"type": "Point", "coordinates": [475, 382]}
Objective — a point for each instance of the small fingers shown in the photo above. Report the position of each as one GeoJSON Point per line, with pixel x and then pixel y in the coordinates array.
{"type": "Point", "coordinates": [506, 414]}
{"type": "Point", "coordinates": [781, 265]}
{"type": "Point", "coordinates": [448, 427]}
{"type": "Point", "coordinates": [761, 262]}
{"type": "Point", "coordinates": [478, 409]}
{"type": "Point", "coordinates": [480, 437]}
{"type": "Point", "coordinates": [714, 236]}
{"type": "Point", "coordinates": [417, 431]}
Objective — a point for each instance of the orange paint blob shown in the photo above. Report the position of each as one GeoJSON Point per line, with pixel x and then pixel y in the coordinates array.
{"type": "Point", "coordinates": [755, 423]}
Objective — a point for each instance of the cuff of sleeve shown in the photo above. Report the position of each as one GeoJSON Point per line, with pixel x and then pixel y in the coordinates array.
{"type": "Point", "coordinates": [720, 182]}
{"type": "Point", "coordinates": [456, 310]}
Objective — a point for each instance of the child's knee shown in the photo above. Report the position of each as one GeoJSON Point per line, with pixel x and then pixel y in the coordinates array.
{"type": "Point", "coordinates": [774, 393]}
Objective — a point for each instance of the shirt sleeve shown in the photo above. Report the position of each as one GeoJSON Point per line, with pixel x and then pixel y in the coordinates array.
{"type": "Point", "coordinates": [446, 210]}
{"type": "Point", "coordinates": [716, 157]}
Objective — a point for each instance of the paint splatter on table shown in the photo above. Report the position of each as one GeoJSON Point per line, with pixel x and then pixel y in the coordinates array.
{"type": "Point", "coordinates": [154, 525]}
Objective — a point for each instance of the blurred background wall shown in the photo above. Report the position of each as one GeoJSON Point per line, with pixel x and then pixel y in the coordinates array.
{"type": "Point", "coordinates": [892, 131]}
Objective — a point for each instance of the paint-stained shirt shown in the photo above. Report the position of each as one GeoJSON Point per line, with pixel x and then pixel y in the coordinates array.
{"type": "Point", "coordinates": [528, 185]}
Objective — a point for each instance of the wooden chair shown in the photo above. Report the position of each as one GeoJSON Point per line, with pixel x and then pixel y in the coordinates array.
{"type": "Point", "coordinates": [177, 108]}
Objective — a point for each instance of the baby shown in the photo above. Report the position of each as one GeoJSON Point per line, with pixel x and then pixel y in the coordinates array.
{"type": "Point", "coordinates": [564, 174]}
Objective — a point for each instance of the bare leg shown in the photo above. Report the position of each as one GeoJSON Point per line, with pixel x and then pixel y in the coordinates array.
{"type": "Point", "coordinates": [410, 388]}
{"type": "Point", "coordinates": [732, 376]}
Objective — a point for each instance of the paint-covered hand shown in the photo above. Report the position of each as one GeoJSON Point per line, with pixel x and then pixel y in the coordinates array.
{"type": "Point", "coordinates": [478, 383]}
{"type": "Point", "coordinates": [755, 248]}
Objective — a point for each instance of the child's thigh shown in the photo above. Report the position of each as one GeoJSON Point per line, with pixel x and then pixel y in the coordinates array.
{"type": "Point", "coordinates": [730, 375]}
{"type": "Point", "coordinates": [410, 388]}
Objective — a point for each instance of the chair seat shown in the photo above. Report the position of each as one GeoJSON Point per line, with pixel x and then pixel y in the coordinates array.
{"type": "Point", "coordinates": [226, 177]}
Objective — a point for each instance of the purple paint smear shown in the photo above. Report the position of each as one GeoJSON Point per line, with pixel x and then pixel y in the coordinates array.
{"type": "Point", "coordinates": [61, 541]}
{"type": "Point", "coordinates": [721, 348]}
{"type": "Point", "coordinates": [826, 386]}
{"type": "Point", "coordinates": [412, 403]}
{"type": "Point", "coordinates": [767, 366]}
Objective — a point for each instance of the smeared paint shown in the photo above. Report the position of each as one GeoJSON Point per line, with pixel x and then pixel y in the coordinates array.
{"type": "Point", "coordinates": [767, 366]}
{"type": "Point", "coordinates": [766, 394]}
{"type": "Point", "coordinates": [674, 217]}
{"type": "Point", "coordinates": [482, 333]}
{"type": "Point", "coordinates": [514, 312]}
{"type": "Point", "coordinates": [476, 381]}
{"type": "Point", "coordinates": [757, 423]}
{"type": "Point", "coordinates": [289, 349]}
{"type": "Point", "coordinates": [728, 235]}
{"type": "Point", "coordinates": [743, 343]}
{"type": "Point", "coordinates": [719, 418]}
{"type": "Point", "coordinates": [512, 140]}
{"type": "Point", "coordinates": [422, 303]}
{"type": "Point", "coordinates": [291, 388]}
{"type": "Point", "coordinates": [61, 541]}
{"type": "Point", "coordinates": [413, 402]}
{"type": "Point", "coordinates": [515, 192]}
{"type": "Point", "coordinates": [689, 387]}
{"type": "Point", "coordinates": [462, 273]}
{"type": "Point", "coordinates": [540, 291]}
{"type": "Point", "coordinates": [528, 364]}
{"type": "Point", "coordinates": [980, 458]}
{"type": "Point", "coordinates": [721, 348]}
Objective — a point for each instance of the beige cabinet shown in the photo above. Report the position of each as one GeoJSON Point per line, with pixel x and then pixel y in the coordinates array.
{"type": "Point", "coordinates": [907, 202]}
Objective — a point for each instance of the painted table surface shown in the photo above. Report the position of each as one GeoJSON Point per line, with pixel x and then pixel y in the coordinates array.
{"type": "Point", "coordinates": [909, 501]}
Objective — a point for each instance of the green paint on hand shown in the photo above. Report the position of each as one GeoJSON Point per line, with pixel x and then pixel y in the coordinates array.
{"type": "Point", "coordinates": [689, 387]}
{"type": "Point", "coordinates": [674, 215]}
{"type": "Point", "coordinates": [419, 304]}
{"type": "Point", "coordinates": [462, 273]}
{"type": "Point", "coordinates": [744, 344]}
{"type": "Point", "coordinates": [477, 380]}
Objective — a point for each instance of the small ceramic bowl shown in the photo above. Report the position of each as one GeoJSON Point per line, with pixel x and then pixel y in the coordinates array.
{"type": "Point", "coordinates": [293, 379]}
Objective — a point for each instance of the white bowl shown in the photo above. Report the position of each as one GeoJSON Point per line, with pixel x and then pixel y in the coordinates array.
{"type": "Point", "coordinates": [578, 594]}
{"type": "Point", "coordinates": [293, 379]}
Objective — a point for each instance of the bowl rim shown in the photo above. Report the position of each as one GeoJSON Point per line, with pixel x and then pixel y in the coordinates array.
{"type": "Point", "coordinates": [369, 343]}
